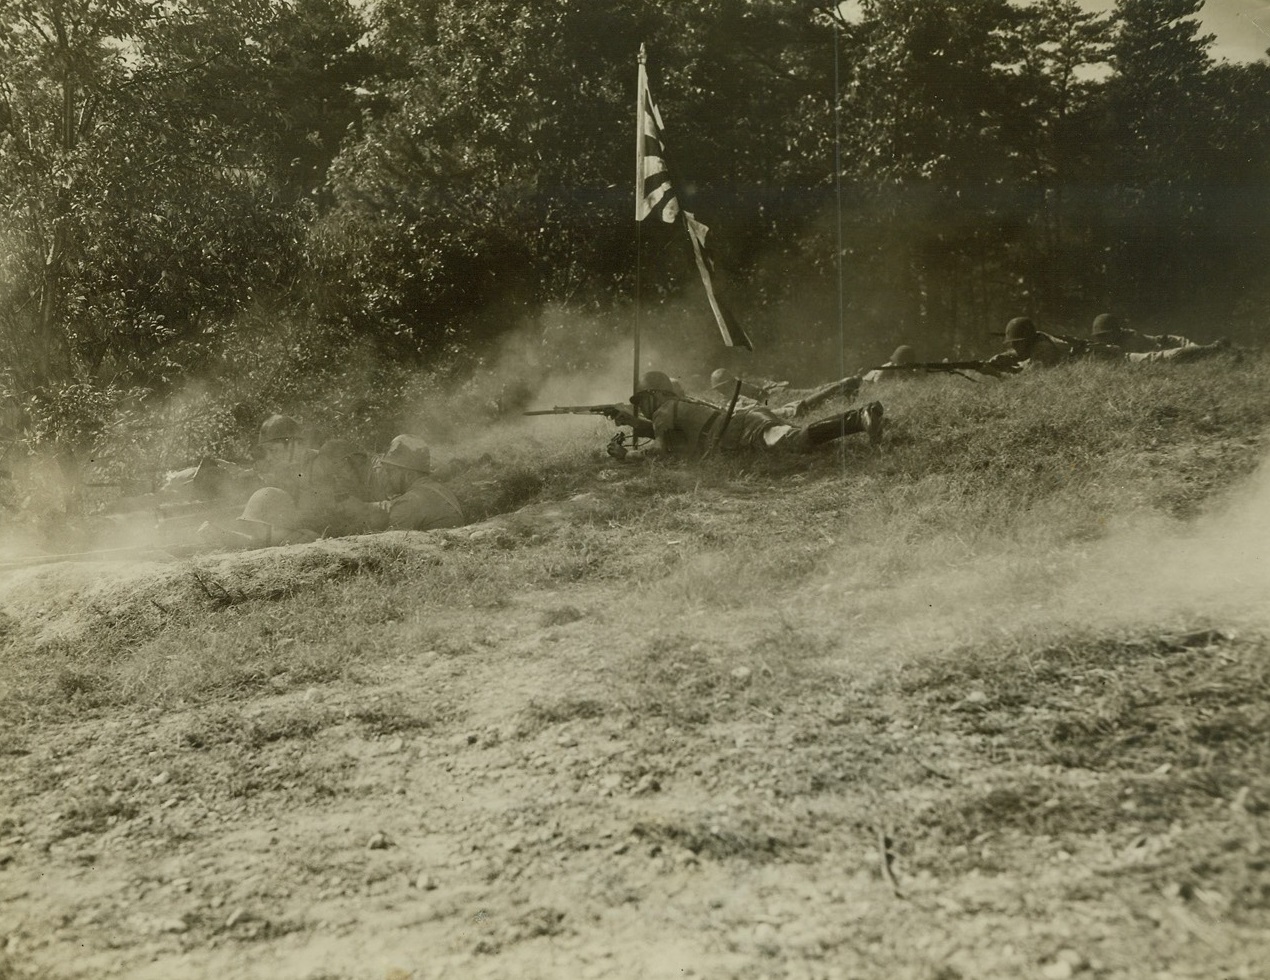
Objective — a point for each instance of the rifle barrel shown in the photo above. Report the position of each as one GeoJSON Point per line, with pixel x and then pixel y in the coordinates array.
{"type": "Point", "coordinates": [104, 554]}
{"type": "Point", "coordinates": [574, 410]}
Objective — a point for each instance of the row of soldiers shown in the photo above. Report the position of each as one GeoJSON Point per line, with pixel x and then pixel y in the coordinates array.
{"type": "Point", "coordinates": [741, 415]}
{"type": "Point", "coordinates": [1110, 339]}
{"type": "Point", "coordinates": [303, 493]}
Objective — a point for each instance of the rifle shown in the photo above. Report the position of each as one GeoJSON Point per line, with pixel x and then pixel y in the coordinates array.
{"type": "Point", "coordinates": [723, 423]}
{"type": "Point", "coordinates": [141, 553]}
{"type": "Point", "coordinates": [1079, 346]}
{"type": "Point", "coordinates": [618, 414]}
{"type": "Point", "coordinates": [610, 412]}
{"type": "Point", "coordinates": [949, 367]}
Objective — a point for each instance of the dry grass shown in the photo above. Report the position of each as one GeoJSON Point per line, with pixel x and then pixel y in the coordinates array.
{"type": "Point", "coordinates": [993, 486]}
{"type": "Point", "coordinates": [1024, 644]}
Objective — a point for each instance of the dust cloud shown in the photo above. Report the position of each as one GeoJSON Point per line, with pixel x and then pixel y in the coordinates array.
{"type": "Point", "coordinates": [1217, 568]}
{"type": "Point", "coordinates": [561, 358]}
{"type": "Point", "coordinates": [1149, 573]}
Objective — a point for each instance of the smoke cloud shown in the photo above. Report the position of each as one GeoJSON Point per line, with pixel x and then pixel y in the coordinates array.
{"type": "Point", "coordinates": [1149, 573]}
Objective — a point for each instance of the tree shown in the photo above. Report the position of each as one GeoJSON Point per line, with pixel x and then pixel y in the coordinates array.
{"type": "Point", "coordinates": [500, 174]}
{"type": "Point", "coordinates": [929, 108]}
{"type": "Point", "coordinates": [1062, 47]}
{"type": "Point", "coordinates": [150, 158]}
{"type": "Point", "coordinates": [1157, 132]}
{"type": "Point", "coordinates": [58, 61]}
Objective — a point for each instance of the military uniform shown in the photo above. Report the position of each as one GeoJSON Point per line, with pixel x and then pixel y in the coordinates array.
{"type": "Point", "coordinates": [405, 499]}
{"type": "Point", "coordinates": [687, 427]}
{"type": "Point", "coordinates": [423, 507]}
{"type": "Point", "coordinates": [752, 396]}
{"type": "Point", "coordinates": [1110, 331]}
{"type": "Point", "coordinates": [1028, 349]}
{"type": "Point", "coordinates": [331, 485]}
{"type": "Point", "coordinates": [283, 460]}
{"type": "Point", "coordinates": [1177, 355]}
{"type": "Point", "coordinates": [756, 391]}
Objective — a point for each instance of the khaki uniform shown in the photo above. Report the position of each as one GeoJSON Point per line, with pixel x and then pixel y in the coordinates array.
{"type": "Point", "coordinates": [329, 486]}
{"type": "Point", "coordinates": [1132, 342]}
{"type": "Point", "coordinates": [689, 428]}
{"type": "Point", "coordinates": [1189, 352]}
{"type": "Point", "coordinates": [758, 391]}
{"type": "Point", "coordinates": [425, 506]}
{"type": "Point", "coordinates": [1047, 351]}
{"type": "Point", "coordinates": [798, 407]}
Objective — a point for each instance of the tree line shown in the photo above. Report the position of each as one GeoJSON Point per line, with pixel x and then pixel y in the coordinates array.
{"type": "Point", "coordinates": [254, 191]}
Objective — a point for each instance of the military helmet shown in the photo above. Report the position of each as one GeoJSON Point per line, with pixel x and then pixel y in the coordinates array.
{"type": "Point", "coordinates": [656, 381]}
{"type": "Point", "coordinates": [1020, 328]}
{"type": "Point", "coordinates": [272, 506]}
{"type": "Point", "coordinates": [904, 355]}
{"type": "Point", "coordinates": [277, 428]}
{"type": "Point", "coordinates": [1107, 325]}
{"type": "Point", "coordinates": [719, 376]}
{"type": "Point", "coordinates": [408, 453]}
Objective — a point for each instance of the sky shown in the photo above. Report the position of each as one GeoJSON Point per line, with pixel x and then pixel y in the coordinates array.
{"type": "Point", "coordinates": [1242, 27]}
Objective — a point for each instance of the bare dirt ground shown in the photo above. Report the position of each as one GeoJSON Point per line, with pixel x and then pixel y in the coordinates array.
{"type": "Point", "coordinates": [615, 756]}
{"type": "Point", "coordinates": [529, 809]}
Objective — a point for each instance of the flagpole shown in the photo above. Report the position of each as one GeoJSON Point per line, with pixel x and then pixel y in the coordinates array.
{"type": "Point", "coordinates": [641, 84]}
{"type": "Point", "coordinates": [837, 180]}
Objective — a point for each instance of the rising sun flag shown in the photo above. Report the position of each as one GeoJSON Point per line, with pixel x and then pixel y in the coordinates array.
{"type": "Point", "coordinates": [655, 197]}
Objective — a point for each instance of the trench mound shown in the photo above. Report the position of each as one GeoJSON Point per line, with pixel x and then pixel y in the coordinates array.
{"type": "Point", "coordinates": [70, 601]}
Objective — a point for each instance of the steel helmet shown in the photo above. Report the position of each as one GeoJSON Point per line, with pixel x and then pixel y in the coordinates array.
{"type": "Point", "coordinates": [1107, 325]}
{"type": "Point", "coordinates": [1020, 328]}
{"type": "Point", "coordinates": [272, 506]}
{"type": "Point", "coordinates": [719, 376]}
{"type": "Point", "coordinates": [656, 381]}
{"type": "Point", "coordinates": [904, 355]}
{"type": "Point", "coordinates": [409, 453]}
{"type": "Point", "coordinates": [277, 428]}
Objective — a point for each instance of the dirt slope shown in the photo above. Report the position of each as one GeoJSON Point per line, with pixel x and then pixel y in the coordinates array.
{"type": "Point", "coordinates": [726, 725]}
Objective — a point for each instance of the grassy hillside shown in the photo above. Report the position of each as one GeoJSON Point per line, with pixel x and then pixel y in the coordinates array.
{"type": "Point", "coordinates": [988, 702]}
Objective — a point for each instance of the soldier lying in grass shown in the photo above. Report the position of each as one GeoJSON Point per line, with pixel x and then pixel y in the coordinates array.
{"type": "Point", "coordinates": [723, 385]}
{"type": "Point", "coordinates": [352, 494]}
{"type": "Point", "coordinates": [343, 493]}
{"type": "Point", "coordinates": [1028, 348]}
{"type": "Point", "coordinates": [1109, 330]}
{"type": "Point", "coordinates": [684, 426]}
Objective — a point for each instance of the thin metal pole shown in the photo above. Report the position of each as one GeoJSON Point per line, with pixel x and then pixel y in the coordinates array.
{"type": "Point", "coordinates": [639, 253]}
{"type": "Point", "coordinates": [639, 224]}
{"type": "Point", "coordinates": [837, 179]}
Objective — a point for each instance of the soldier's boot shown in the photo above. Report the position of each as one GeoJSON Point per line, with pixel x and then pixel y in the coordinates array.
{"type": "Point", "coordinates": [873, 422]}
{"type": "Point", "coordinates": [867, 419]}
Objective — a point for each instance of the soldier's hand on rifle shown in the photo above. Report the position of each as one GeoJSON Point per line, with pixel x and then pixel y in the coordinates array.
{"type": "Point", "coordinates": [617, 446]}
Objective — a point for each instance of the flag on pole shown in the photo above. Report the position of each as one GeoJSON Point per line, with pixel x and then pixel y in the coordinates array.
{"type": "Point", "coordinates": [653, 191]}
{"type": "Point", "coordinates": [655, 195]}
{"type": "Point", "coordinates": [733, 334]}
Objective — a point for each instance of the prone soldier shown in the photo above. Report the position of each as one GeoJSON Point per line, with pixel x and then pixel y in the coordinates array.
{"type": "Point", "coordinates": [684, 426]}
{"type": "Point", "coordinates": [1111, 331]}
{"type": "Point", "coordinates": [758, 393]}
